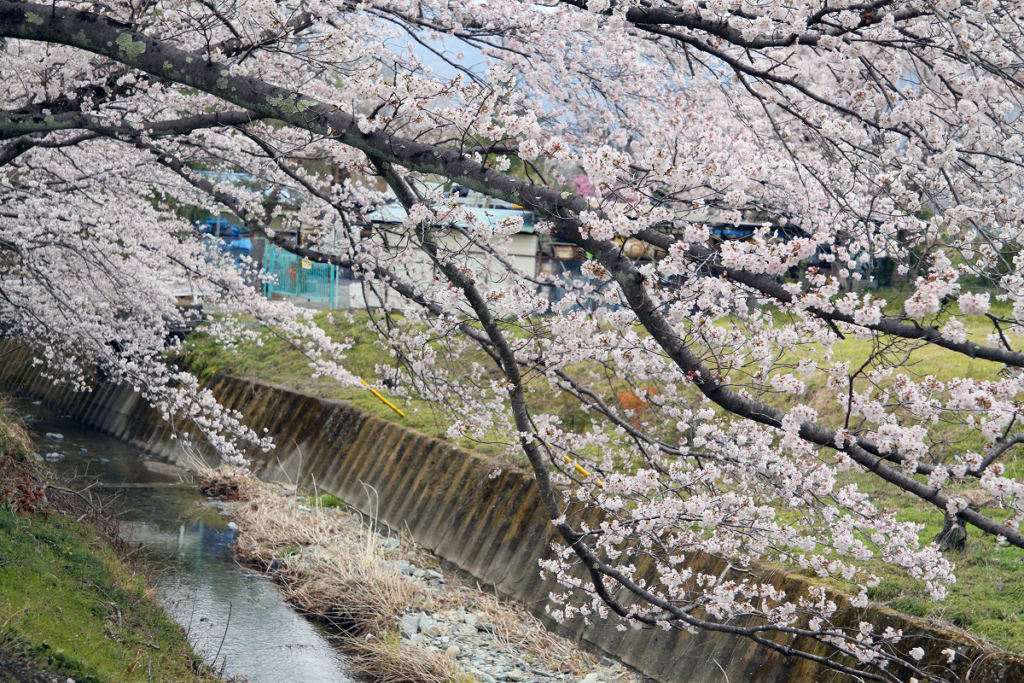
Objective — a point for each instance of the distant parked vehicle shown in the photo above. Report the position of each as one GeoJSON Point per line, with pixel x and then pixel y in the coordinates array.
{"type": "Point", "coordinates": [234, 239]}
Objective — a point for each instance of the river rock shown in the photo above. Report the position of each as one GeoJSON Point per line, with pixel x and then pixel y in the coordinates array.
{"type": "Point", "coordinates": [53, 457]}
{"type": "Point", "coordinates": [425, 622]}
{"type": "Point", "coordinates": [470, 619]}
{"type": "Point", "coordinates": [410, 625]}
{"type": "Point", "coordinates": [54, 436]}
{"type": "Point", "coordinates": [432, 631]}
{"type": "Point", "coordinates": [453, 651]}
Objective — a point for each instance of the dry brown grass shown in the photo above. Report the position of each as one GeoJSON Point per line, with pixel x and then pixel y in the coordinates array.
{"type": "Point", "coordinates": [15, 447]}
{"type": "Point", "coordinates": [335, 569]}
{"type": "Point", "coordinates": [328, 566]}
{"type": "Point", "coordinates": [389, 660]}
{"type": "Point", "coordinates": [223, 482]}
{"type": "Point", "coordinates": [14, 437]}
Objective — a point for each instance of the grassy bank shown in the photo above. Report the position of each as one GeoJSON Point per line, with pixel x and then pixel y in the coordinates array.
{"type": "Point", "coordinates": [276, 362]}
{"type": "Point", "coordinates": [70, 607]}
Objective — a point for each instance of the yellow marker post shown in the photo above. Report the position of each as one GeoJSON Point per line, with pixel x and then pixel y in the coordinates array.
{"type": "Point", "coordinates": [386, 402]}
{"type": "Point", "coordinates": [582, 470]}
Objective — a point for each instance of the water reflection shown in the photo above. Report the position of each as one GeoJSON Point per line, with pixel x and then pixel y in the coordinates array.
{"type": "Point", "coordinates": [234, 617]}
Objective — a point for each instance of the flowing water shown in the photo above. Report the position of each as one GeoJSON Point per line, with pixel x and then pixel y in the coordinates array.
{"type": "Point", "coordinates": [235, 618]}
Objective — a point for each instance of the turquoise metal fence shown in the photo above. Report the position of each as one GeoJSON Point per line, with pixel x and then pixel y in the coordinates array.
{"type": "Point", "coordinates": [294, 276]}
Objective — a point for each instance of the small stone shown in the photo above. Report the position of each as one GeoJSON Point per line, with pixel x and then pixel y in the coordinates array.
{"type": "Point", "coordinates": [486, 678]}
{"type": "Point", "coordinates": [591, 678]}
{"type": "Point", "coordinates": [55, 436]}
{"type": "Point", "coordinates": [389, 542]}
{"type": "Point", "coordinates": [470, 619]}
{"type": "Point", "coordinates": [406, 568]}
{"type": "Point", "coordinates": [453, 651]}
{"type": "Point", "coordinates": [425, 621]}
{"type": "Point", "coordinates": [410, 625]}
{"type": "Point", "coordinates": [432, 631]}
{"type": "Point", "coordinates": [53, 457]}
{"type": "Point", "coordinates": [485, 627]}
{"type": "Point", "coordinates": [431, 574]}
{"type": "Point", "coordinates": [516, 675]}
{"type": "Point", "coordinates": [419, 573]}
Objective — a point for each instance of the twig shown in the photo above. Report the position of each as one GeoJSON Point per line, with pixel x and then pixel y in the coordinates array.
{"type": "Point", "coordinates": [225, 635]}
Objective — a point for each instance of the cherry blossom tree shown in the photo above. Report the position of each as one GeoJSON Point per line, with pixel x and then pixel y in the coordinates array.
{"type": "Point", "coordinates": [872, 130]}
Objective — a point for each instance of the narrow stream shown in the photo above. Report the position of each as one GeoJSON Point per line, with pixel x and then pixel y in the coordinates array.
{"type": "Point", "coordinates": [235, 618]}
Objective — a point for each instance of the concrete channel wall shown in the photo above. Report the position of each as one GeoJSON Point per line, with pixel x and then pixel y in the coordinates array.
{"type": "Point", "coordinates": [491, 527]}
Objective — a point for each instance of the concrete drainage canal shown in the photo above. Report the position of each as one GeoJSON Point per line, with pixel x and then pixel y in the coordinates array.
{"type": "Point", "coordinates": [235, 618]}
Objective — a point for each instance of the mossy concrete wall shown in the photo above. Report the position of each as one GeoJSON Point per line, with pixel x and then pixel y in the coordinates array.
{"type": "Point", "coordinates": [492, 527]}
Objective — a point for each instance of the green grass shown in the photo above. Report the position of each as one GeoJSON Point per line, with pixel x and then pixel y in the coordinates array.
{"type": "Point", "coordinates": [327, 500]}
{"type": "Point", "coordinates": [68, 604]}
{"type": "Point", "coordinates": [988, 597]}
{"type": "Point", "coordinates": [275, 361]}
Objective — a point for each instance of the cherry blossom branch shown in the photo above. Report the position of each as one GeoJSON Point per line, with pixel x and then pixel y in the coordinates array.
{"type": "Point", "coordinates": [108, 37]}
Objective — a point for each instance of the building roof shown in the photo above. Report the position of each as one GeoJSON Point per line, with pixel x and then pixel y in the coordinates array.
{"type": "Point", "coordinates": [395, 213]}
